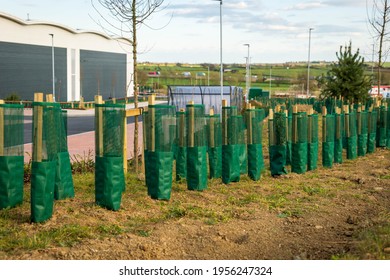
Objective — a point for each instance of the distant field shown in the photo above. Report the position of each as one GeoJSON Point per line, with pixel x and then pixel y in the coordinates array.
{"type": "Point", "coordinates": [282, 76]}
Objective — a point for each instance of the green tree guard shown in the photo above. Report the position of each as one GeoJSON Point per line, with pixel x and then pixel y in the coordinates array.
{"type": "Point", "coordinates": [11, 155]}
{"type": "Point", "coordinates": [109, 173]}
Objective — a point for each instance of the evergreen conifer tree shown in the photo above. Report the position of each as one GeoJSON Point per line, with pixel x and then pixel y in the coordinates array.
{"type": "Point", "coordinates": [347, 77]}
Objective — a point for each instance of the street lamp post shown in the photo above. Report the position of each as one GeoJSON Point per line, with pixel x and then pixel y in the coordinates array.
{"type": "Point", "coordinates": [208, 75]}
{"type": "Point", "coordinates": [52, 65]}
{"type": "Point", "coordinates": [247, 72]}
{"type": "Point", "coordinates": [220, 45]}
{"type": "Point", "coordinates": [308, 66]}
{"type": "Point", "coordinates": [270, 81]}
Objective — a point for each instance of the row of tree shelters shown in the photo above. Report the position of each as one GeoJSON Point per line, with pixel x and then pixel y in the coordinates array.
{"type": "Point", "coordinates": [204, 146]}
{"type": "Point", "coordinates": [209, 96]}
{"type": "Point", "coordinates": [231, 144]}
{"type": "Point", "coordinates": [51, 175]}
{"type": "Point", "coordinates": [293, 136]}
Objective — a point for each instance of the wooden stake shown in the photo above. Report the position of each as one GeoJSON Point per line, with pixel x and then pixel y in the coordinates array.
{"type": "Point", "coordinates": [49, 98]}
{"type": "Point", "coordinates": [99, 126]}
{"type": "Point", "coordinates": [212, 120]}
{"type": "Point", "coordinates": [224, 123]}
{"type": "Point", "coordinates": [295, 124]}
{"type": "Point", "coordinates": [125, 143]}
{"type": "Point", "coordinates": [271, 127]}
{"type": "Point", "coordinates": [38, 129]}
{"type": "Point", "coordinates": [346, 123]}
{"type": "Point", "coordinates": [1, 129]}
{"type": "Point", "coordinates": [182, 125]}
{"type": "Point", "coordinates": [338, 123]}
{"type": "Point", "coordinates": [310, 125]}
{"type": "Point", "coordinates": [249, 125]}
{"type": "Point", "coordinates": [271, 114]}
{"type": "Point", "coordinates": [152, 120]}
{"type": "Point", "coordinates": [287, 130]}
{"type": "Point", "coordinates": [359, 121]}
{"type": "Point", "coordinates": [191, 124]}
{"type": "Point", "coordinates": [324, 113]}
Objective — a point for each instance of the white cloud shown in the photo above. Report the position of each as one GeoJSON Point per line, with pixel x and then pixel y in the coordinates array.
{"type": "Point", "coordinates": [307, 6]}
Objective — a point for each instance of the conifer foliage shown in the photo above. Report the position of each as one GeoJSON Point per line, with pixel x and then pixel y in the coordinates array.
{"type": "Point", "coordinates": [347, 77]}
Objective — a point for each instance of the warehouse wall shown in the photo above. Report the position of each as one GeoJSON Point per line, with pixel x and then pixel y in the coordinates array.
{"type": "Point", "coordinates": [86, 62]}
{"type": "Point", "coordinates": [25, 69]}
{"type": "Point", "coordinates": [102, 73]}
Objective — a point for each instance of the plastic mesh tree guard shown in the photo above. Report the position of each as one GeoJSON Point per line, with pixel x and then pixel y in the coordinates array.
{"type": "Point", "coordinates": [328, 136]}
{"type": "Point", "coordinates": [160, 130]}
{"type": "Point", "coordinates": [254, 120]}
{"type": "Point", "coordinates": [351, 135]}
{"type": "Point", "coordinates": [277, 144]}
{"type": "Point", "coordinates": [372, 127]}
{"type": "Point", "coordinates": [64, 181]}
{"type": "Point", "coordinates": [338, 140]}
{"type": "Point", "coordinates": [109, 173]}
{"type": "Point", "coordinates": [381, 137]}
{"type": "Point", "coordinates": [299, 143]}
{"type": "Point", "coordinates": [381, 130]}
{"type": "Point", "coordinates": [11, 155]}
{"type": "Point", "coordinates": [181, 146]}
{"type": "Point", "coordinates": [312, 142]}
{"type": "Point", "coordinates": [196, 147]}
{"type": "Point", "coordinates": [231, 144]}
{"type": "Point", "coordinates": [215, 146]}
{"type": "Point", "coordinates": [289, 138]}
{"type": "Point", "coordinates": [362, 133]}
{"type": "Point", "coordinates": [46, 129]}
{"type": "Point", "coordinates": [388, 125]}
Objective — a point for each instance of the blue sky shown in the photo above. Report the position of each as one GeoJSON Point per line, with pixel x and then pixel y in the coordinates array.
{"type": "Point", "coordinates": [188, 31]}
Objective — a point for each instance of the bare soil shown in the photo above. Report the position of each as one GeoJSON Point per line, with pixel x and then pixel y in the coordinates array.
{"type": "Point", "coordinates": [317, 215]}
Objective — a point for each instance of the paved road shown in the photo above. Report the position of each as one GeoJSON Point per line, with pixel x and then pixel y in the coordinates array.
{"type": "Point", "coordinates": [76, 125]}
{"type": "Point", "coordinates": [81, 138]}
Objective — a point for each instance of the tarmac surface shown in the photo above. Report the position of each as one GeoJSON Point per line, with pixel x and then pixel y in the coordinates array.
{"type": "Point", "coordinates": [81, 134]}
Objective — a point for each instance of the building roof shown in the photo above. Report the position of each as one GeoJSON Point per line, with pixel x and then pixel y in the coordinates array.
{"type": "Point", "coordinates": [61, 26]}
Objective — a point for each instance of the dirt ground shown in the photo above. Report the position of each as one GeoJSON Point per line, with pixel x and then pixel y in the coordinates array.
{"type": "Point", "coordinates": [317, 215]}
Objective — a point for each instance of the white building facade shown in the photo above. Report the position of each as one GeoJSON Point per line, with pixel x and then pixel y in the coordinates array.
{"type": "Point", "coordinates": [86, 63]}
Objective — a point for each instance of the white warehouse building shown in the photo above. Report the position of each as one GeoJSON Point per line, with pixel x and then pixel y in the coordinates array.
{"type": "Point", "coordinates": [87, 63]}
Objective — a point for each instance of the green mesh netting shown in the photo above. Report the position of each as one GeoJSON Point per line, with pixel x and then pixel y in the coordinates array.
{"type": "Point", "coordinates": [46, 130]}
{"type": "Point", "coordinates": [109, 173]}
{"type": "Point", "coordinates": [299, 143]}
{"type": "Point", "coordinates": [338, 140]}
{"type": "Point", "coordinates": [254, 119]}
{"type": "Point", "coordinates": [233, 139]}
{"type": "Point", "coordinates": [351, 134]}
{"type": "Point", "coordinates": [372, 127]}
{"type": "Point", "coordinates": [160, 134]}
{"type": "Point", "coordinates": [277, 144]}
{"type": "Point", "coordinates": [388, 125]}
{"type": "Point", "coordinates": [64, 181]}
{"type": "Point", "coordinates": [328, 136]}
{"type": "Point", "coordinates": [312, 142]}
{"type": "Point", "coordinates": [381, 137]}
{"type": "Point", "coordinates": [289, 139]}
{"type": "Point", "coordinates": [196, 147]}
{"type": "Point", "coordinates": [362, 133]}
{"type": "Point", "coordinates": [11, 155]}
{"type": "Point", "coordinates": [181, 146]}
{"type": "Point", "coordinates": [215, 146]}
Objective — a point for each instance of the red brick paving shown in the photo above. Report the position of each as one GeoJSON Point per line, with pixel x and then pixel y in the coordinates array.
{"type": "Point", "coordinates": [80, 145]}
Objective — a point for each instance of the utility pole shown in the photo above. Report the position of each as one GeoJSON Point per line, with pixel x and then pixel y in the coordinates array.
{"type": "Point", "coordinates": [53, 69]}
{"type": "Point", "coordinates": [247, 73]}
{"type": "Point", "coordinates": [220, 45]}
{"type": "Point", "coordinates": [308, 66]}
